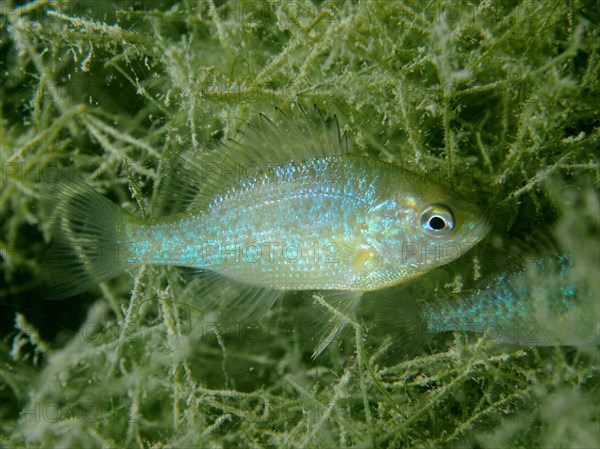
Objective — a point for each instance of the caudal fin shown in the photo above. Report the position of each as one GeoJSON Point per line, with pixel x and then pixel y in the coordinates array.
{"type": "Point", "coordinates": [87, 238]}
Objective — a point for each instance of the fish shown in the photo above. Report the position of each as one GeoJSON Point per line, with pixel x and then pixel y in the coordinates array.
{"type": "Point", "coordinates": [539, 302]}
{"type": "Point", "coordinates": [289, 207]}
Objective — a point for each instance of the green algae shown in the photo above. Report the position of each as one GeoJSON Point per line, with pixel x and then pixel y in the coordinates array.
{"type": "Point", "coordinates": [501, 99]}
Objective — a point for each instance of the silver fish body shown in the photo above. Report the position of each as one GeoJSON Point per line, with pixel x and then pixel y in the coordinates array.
{"type": "Point", "coordinates": [337, 223]}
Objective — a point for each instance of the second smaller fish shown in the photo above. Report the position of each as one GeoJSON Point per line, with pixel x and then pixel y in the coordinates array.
{"type": "Point", "coordinates": [537, 304]}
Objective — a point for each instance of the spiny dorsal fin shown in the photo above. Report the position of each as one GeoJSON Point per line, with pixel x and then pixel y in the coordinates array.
{"type": "Point", "coordinates": [194, 179]}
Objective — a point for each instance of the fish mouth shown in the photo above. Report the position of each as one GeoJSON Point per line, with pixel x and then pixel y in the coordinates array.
{"type": "Point", "coordinates": [475, 226]}
{"type": "Point", "coordinates": [482, 229]}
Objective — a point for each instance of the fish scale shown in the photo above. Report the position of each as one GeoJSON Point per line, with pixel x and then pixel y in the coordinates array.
{"type": "Point", "coordinates": [272, 212]}
{"type": "Point", "coordinates": [305, 222]}
{"type": "Point", "coordinates": [514, 308]}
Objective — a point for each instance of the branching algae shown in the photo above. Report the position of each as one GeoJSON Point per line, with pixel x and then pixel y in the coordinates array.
{"type": "Point", "coordinates": [497, 100]}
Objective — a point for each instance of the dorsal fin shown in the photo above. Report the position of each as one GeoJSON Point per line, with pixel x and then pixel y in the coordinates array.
{"type": "Point", "coordinates": [193, 179]}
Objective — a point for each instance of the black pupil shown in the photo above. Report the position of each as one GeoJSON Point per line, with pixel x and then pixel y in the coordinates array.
{"type": "Point", "coordinates": [437, 223]}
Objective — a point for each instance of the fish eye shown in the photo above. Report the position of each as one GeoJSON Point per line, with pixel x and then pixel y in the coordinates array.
{"type": "Point", "coordinates": [437, 220]}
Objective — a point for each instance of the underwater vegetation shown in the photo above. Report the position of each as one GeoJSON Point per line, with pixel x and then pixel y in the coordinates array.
{"type": "Point", "coordinates": [497, 101]}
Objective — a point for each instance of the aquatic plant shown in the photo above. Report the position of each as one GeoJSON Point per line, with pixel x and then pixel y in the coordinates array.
{"type": "Point", "coordinates": [498, 98]}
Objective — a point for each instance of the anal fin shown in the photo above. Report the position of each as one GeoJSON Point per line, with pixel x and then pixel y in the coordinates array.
{"type": "Point", "coordinates": [229, 300]}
